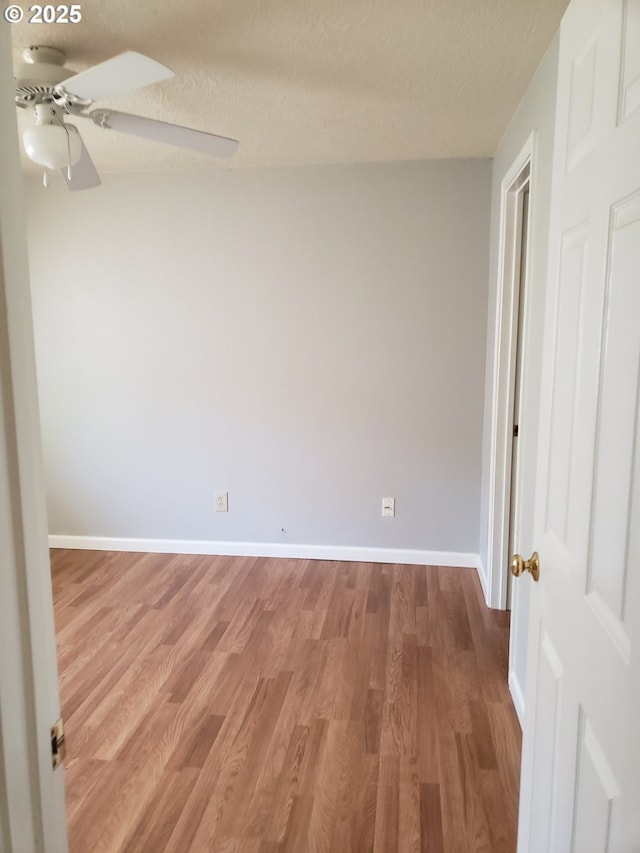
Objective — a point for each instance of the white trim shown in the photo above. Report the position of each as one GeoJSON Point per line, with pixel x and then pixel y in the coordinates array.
{"type": "Point", "coordinates": [502, 388]}
{"type": "Point", "coordinates": [457, 559]}
{"type": "Point", "coordinates": [32, 811]}
{"type": "Point", "coordinates": [482, 575]}
{"type": "Point", "coordinates": [517, 694]}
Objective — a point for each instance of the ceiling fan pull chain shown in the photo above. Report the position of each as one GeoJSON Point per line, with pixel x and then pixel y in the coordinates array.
{"type": "Point", "coordinates": [68, 152]}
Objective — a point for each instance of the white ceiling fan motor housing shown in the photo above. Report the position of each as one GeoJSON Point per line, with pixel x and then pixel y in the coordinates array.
{"type": "Point", "coordinates": [38, 74]}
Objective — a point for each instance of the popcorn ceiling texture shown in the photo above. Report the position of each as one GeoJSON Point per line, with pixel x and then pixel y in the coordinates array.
{"type": "Point", "coordinates": [313, 81]}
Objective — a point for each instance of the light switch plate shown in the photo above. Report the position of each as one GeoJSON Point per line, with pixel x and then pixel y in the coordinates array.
{"type": "Point", "coordinates": [388, 507]}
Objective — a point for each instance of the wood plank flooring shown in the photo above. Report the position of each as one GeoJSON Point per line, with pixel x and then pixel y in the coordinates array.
{"type": "Point", "coordinates": [242, 705]}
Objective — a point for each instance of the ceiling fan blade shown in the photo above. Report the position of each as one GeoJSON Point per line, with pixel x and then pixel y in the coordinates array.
{"type": "Point", "coordinates": [84, 175]}
{"type": "Point", "coordinates": [129, 70]}
{"type": "Point", "coordinates": [162, 131]}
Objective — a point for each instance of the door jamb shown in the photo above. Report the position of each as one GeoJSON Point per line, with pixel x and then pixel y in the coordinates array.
{"type": "Point", "coordinates": [32, 810]}
{"type": "Point", "coordinates": [504, 358]}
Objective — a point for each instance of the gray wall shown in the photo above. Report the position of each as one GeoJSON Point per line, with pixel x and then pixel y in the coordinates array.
{"type": "Point", "coordinates": [536, 112]}
{"type": "Point", "coordinates": [309, 339]}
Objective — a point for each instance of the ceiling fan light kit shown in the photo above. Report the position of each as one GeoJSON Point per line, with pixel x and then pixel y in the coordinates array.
{"type": "Point", "coordinates": [51, 142]}
{"type": "Point", "coordinates": [45, 85]}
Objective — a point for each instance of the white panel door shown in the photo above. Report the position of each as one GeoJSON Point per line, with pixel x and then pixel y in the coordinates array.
{"type": "Point", "coordinates": [580, 788]}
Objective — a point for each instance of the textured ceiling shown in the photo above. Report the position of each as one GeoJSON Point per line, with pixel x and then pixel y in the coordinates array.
{"type": "Point", "coordinates": [313, 81]}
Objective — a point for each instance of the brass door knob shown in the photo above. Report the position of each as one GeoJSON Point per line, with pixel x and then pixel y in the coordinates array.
{"type": "Point", "coordinates": [520, 566]}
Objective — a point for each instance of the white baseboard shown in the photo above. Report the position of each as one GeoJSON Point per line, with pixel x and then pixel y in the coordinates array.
{"type": "Point", "coordinates": [483, 580]}
{"type": "Point", "coordinates": [270, 549]}
{"type": "Point", "coordinates": [515, 688]}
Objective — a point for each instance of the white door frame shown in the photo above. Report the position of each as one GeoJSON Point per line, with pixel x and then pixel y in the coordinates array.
{"type": "Point", "coordinates": [504, 366]}
{"type": "Point", "coordinates": [32, 815]}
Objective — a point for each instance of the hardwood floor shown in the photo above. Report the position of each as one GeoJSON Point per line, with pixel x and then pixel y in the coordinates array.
{"type": "Point", "coordinates": [243, 705]}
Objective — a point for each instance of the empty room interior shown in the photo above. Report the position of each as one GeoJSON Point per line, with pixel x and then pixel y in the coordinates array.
{"type": "Point", "coordinates": [274, 388]}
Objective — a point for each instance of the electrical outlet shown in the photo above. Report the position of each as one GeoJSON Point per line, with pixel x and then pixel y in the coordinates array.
{"type": "Point", "coordinates": [388, 507]}
{"type": "Point", "coordinates": [222, 502]}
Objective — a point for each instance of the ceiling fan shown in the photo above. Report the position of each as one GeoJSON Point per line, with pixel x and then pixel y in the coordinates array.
{"type": "Point", "coordinates": [54, 92]}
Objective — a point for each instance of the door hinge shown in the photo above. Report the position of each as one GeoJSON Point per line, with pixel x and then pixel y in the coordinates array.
{"type": "Point", "coordinates": [58, 746]}
{"type": "Point", "coordinates": [515, 430]}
